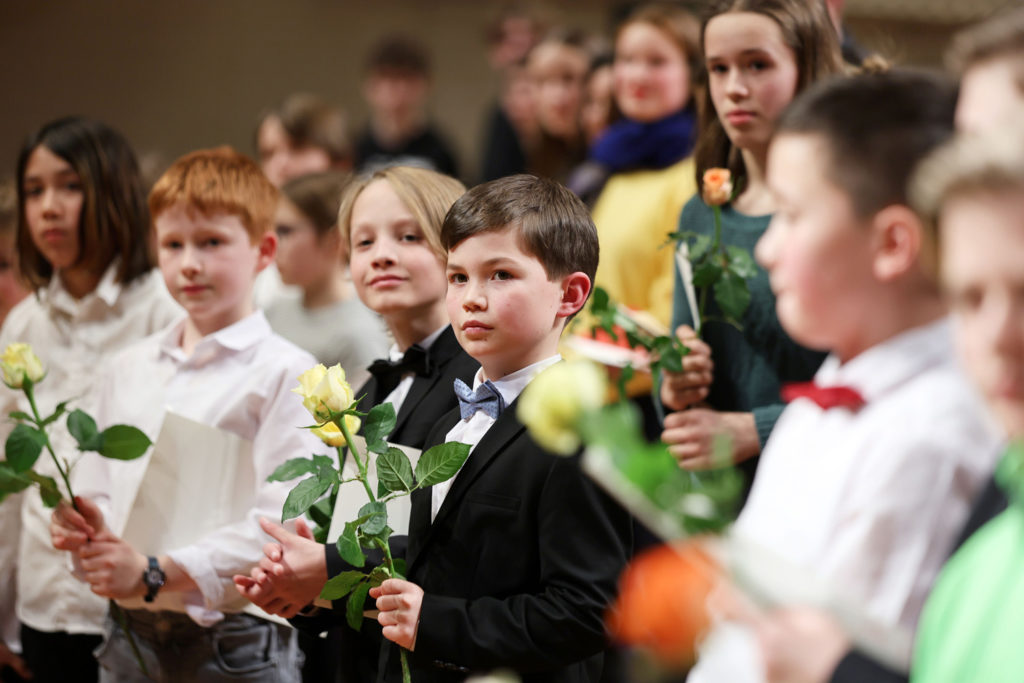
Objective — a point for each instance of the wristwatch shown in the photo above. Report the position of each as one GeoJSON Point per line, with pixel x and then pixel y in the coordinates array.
{"type": "Point", "coordinates": [154, 578]}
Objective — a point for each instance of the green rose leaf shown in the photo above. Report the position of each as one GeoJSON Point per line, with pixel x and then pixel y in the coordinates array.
{"type": "Point", "coordinates": [292, 469]}
{"type": "Point", "coordinates": [320, 512]}
{"type": "Point", "coordinates": [699, 247]}
{"type": "Point", "coordinates": [324, 465]}
{"type": "Point", "coordinates": [348, 545]}
{"type": "Point", "coordinates": [379, 575]}
{"type": "Point", "coordinates": [377, 518]}
{"type": "Point", "coordinates": [732, 295]}
{"type": "Point", "coordinates": [441, 463]}
{"type": "Point", "coordinates": [47, 488]}
{"type": "Point", "coordinates": [24, 417]}
{"type": "Point", "coordinates": [394, 471]}
{"type": "Point", "coordinates": [379, 423]}
{"type": "Point", "coordinates": [300, 498]}
{"type": "Point", "coordinates": [123, 442]}
{"type": "Point", "coordinates": [23, 447]}
{"type": "Point", "coordinates": [83, 428]}
{"type": "Point", "coordinates": [11, 481]}
{"type": "Point", "coordinates": [341, 585]}
{"type": "Point", "coordinates": [399, 567]}
{"type": "Point", "coordinates": [741, 262]}
{"type": "Point", "coordinates": [706, 274]}
{"type": "Point", "coordinates": [354, 607]}
{"type": "Point", "coordinates": [57, 412]}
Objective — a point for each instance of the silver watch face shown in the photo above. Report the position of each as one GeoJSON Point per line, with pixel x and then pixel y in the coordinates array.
{"type": "Point", "coordinates": [153, 577]}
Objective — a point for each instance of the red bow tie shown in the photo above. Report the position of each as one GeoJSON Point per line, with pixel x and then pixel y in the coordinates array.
{"type": "Point", "coordinates": [825, 397]}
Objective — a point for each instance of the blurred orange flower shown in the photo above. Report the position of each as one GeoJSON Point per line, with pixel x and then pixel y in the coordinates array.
{"type": "Point", "coordinates": [662, 602]}
{"type": "Point", "coordinates": [717, 186]}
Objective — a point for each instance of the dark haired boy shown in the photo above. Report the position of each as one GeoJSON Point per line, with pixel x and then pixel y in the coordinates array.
{"type": "Point", "coordinates": [512, 563]}
{"type": "Point", "coordinates": [396, 86]}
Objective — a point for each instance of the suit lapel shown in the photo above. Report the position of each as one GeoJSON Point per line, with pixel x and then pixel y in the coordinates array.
{"type": "Point", "coordinates": [501, 433]}
{"type": "Point", "coordinates": [442, 350]}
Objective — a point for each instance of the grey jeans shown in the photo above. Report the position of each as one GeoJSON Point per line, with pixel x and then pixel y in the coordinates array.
{"type": "Point", "coordinates": [241, 648]}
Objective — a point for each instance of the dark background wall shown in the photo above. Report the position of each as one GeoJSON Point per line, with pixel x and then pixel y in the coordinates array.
{"type": "Point", "coordinates": [175, 76]}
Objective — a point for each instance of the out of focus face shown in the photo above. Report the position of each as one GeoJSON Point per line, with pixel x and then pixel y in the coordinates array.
{"type": "Point", "coordinates": [395, 94]}
{"type": "Point", "coordinates": [990, 95]}
{"type": "Point", "coordinates": [280, 158]}
{"type": "Point", "coordinates": [304, 258]}
{"type": "Point", "coordinates": [982, 249]}
{"type": "Point", "coordinates": [54, 197]}
{"type": "Point", "coordinates": [558, 72]}
{"type": "Point", "coordinates": [595, 115]}
{"type": "Point", "coordinates": [652, 77]}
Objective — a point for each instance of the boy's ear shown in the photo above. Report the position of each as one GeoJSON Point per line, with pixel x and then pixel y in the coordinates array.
{"type": "Point", "coordinates": [267, 247]}
{"type": "Point", "coordinates": [575, 290]}
{"type": "Point", "coordinates": [898, 237]}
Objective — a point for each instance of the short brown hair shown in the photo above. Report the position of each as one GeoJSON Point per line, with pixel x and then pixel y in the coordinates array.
{"type": "Point", "coordinates": [399, 55]}
{"type": "Point", "coordinates": [551, 222]}
{"type": "Point", "coordinates": [806, 29]}
{"type": "Point", "coordinates": [876, 127]}
{"type": "Point", "coordinates": [318, 196]}
{"type": "Point", "coordinates": [114, 222]}
{"type": "Point", "coordinates": [426, 194]}
{"type": "Point", "coordinates": [218, 180]}
{"type": "Point", "coordinates": [311, 121]}
{"type": "Point", "coordinates": [1000, 37]}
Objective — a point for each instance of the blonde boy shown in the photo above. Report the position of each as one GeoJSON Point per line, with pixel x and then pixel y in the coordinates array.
{"type": "Point", "coordinates": [221, 367]}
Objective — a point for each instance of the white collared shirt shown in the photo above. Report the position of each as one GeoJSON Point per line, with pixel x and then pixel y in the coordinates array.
{"type": "Point", "coordinates": [397, 396]}
{"type": "Point", "coordinates": [871, 501]}
{"type": "Point", "coordinates": [472, 429]}
{"type": "Point", "coordinates": [238, 379]}
{"type": "Point", "coordinates": [74, 338]}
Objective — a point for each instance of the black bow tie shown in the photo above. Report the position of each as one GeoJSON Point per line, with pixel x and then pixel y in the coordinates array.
{"type": "Point", "coordinates": [389, 373]}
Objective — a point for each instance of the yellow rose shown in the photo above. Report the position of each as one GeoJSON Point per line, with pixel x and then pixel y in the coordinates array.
{"type": "Point", "coordinates": [324, 390]}
{"type": "Point", "coordinates": [717, 188]}
{"type": "Point", "coordinates": [331, 435]}
{"type": "Point", "coordinates": [17, 363]}
{"type": "Point", "coordinates": [553, 403]}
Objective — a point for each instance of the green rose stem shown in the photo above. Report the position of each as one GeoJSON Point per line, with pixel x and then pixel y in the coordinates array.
{"type": "Point", "coordinates": [385, 547]}
{"type": "Point", "coordinates": [717, 212]}
{"type": "Point", "coordinates": [115, 610]}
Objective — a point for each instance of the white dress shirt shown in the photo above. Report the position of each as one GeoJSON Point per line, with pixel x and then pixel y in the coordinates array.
{"type": "Point", "coordinates": [238, 379]}
{"type": "Point", "coordinates": [870, 501]}
{"type": "Point", "coordinates": [472, 429]}
{"type": "Point", "coordinates": [73, 338]}
{"type": "Point", "coordinates": [397, 396]}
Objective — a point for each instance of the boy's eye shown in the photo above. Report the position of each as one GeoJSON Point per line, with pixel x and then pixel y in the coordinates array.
{"type": "Point", "coordinates": [213, 242]}
{"type": "Point", "coordinates": [410, 237]}
{"type": "Point", "coordinates": [718, 69]}
{"type": "Point", "coordinates": [283, 230]}
{"type": "Point", "coordinates": [456, 278]}
{"type": "Point", "coordinates": [502, 275]}
{"type": "Point", "coordinates": [171, 244]}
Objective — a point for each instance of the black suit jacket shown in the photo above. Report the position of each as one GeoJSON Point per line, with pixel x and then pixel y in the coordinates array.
{"type": "Point", "coordinates": [429, 398]}
{"type": "Point", "coordinates": [517, 569]}
{"type": "Point", "coordinates": [856, 666]}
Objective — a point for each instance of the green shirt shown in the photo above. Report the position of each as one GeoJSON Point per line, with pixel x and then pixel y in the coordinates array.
{"type": "Point", "coordinates": [750, 364]}
{"type": "Point", "coordinates": [973, 623]}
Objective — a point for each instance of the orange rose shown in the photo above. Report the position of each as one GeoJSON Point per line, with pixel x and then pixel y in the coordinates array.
{"type": "Point", "coordinates": [661, 604]}
{"type": "Point", "coordinates": [717, 186]}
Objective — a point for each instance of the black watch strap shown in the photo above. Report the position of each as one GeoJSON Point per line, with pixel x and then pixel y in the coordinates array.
{"type": "Point", "coordinates": [154, 578]}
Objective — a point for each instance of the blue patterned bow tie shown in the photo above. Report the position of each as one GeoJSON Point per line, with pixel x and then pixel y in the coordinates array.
{"type": "Point", "coordinates": [486, 398]}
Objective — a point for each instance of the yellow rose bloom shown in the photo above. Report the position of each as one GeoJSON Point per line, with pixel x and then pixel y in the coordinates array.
{"type": "Point", "coordinates": [555, 400]}
{"type": "Point", "coordinates": [324, 390]}
{"type": "Point", "coordinates": [330, 434]}
{"type": "Point", "coordinates": [18, 362]}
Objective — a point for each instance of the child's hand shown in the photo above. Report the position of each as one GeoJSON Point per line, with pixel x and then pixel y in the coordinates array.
{"type": "Point", "coordinates": [800, 645]}
{"type": "Point", "coordinates": [70, 529]}
{"type": "Point", "coordinates": [291, 574]}
{"type": "Point", "coordinates": [112, 568]}
{"type": "Point", "coordinates": [16, 663]}
{"type": "Point", "coordinates": [679, 390]}
{"type": "Point", "coordinates": [690, 435]}
{"type": "Point", "coordinates": [399, 603]}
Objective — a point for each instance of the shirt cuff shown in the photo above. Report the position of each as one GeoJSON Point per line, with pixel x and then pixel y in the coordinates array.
{"type": "Point", "coordinates": [765, 418]}
{"type": "Point", "coordinates": [196, 563]}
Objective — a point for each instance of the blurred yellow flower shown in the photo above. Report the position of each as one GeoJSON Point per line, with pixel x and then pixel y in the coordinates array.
{"type": "Point", "coordinates": [553, 403]}
{"type": "Point", "coordinates": [18, 362]}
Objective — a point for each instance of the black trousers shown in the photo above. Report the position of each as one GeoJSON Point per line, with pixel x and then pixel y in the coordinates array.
{"type": "Point", "coordinates": [60, 657]}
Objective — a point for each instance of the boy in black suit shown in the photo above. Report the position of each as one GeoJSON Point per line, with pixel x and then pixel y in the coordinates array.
{"type": "Point", "coordinates": [512, 563]}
